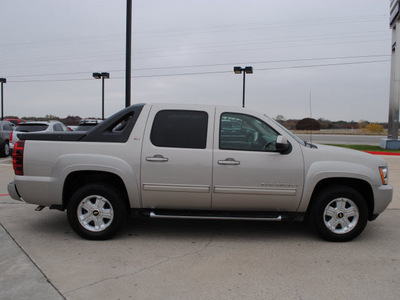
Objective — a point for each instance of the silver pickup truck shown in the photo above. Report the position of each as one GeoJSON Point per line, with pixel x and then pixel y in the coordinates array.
{"type": "Point", "coordinates": [202, 162]}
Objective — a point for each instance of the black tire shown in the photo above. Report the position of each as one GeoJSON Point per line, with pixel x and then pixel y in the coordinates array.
{"type": "Point", "coordinates": [96, 211]}
{"type": "Point", "coordinates": [5, 149]}
{"type": "Point", "coordinates": [339, 213]}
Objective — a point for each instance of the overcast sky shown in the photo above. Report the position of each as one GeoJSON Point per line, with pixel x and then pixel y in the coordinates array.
{"type": "Point", "coordinates": [184, 52]}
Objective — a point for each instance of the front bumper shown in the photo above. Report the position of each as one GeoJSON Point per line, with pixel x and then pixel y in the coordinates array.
{"type": "Point", "coordinates": [383, 196]}
{"type": "Point", "coordinates": [12, 190]}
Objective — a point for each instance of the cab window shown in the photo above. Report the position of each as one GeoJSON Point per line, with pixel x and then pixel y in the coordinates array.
{"type": "Point", "coordinates": [247, 133]}
{"type": "Point", "coordinates": [180, 129]}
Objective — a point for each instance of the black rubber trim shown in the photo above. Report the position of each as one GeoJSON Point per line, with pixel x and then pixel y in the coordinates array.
{"type": "Point", "coordinates": [103, 132]}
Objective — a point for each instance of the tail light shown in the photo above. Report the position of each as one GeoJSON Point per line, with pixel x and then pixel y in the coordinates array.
{"type": "Point", "coordinates": [18, 158]}
{"type": "Point", "coordinates": [11, 136]}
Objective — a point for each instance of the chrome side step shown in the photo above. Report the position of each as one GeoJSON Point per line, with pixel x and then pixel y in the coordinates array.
{"type": "Point", "coordinates": [210, 217]}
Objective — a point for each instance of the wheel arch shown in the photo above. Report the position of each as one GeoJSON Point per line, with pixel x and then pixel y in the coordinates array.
{"type": "Point", "coordinates": [361, 186]}
{"type": "Point", "coordinates": [78, 179]}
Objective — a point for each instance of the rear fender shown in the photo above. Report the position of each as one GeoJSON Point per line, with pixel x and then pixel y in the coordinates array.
{"type": "Point", "coordinates": [70, 163]}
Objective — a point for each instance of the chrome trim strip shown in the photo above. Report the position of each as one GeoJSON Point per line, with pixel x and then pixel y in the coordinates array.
{"type": "Point", "coordinates": [176, 188]}
{"type": "Point", "coordinates": [156, 216]}
{"type": "Point", "coordinates": [254, 191]}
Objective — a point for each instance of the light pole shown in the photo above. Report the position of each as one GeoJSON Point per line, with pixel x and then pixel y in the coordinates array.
{"type": "Point", "coordinates": [103, 75]}
{"type": "Point", "coordinates": [2, 80]}
{"type": "Point", "coordinates": [239, 70]}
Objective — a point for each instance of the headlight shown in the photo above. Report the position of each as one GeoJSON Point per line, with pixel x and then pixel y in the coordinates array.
{"type": "Point", "coordinates": [384, 174]}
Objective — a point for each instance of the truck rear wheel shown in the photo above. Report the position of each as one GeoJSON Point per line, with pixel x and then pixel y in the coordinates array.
{"type": "Point", "coordinates": [96, 212]}
{"type": "Point", "coordinates": [339, 214]}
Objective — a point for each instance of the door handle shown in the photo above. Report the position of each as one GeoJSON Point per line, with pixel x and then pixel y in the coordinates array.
{"type": "Point", "coordinates": [229, 162]}
{"type": "Point", "coordinates": [157, 158]}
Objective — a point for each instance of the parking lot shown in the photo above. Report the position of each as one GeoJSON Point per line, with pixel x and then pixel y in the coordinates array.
{"type": "Point", "coordinates": [41, 257]}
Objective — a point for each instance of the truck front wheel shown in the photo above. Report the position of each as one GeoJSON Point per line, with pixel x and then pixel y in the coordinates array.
{"type": "Point", "coordinates": [96, 212]}
{"type": "Point", "coordinates": [339, 213]}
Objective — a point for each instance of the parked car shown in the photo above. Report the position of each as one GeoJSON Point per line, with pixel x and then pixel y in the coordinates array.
{"type": "Point", "coordinates": [16, 122]}
{"type": "Point", "coordinates": [5, 130]}
{"type": "Point", "coordinates": [86, 124]}
{"type": "Point", "coordinates": [51, 126]}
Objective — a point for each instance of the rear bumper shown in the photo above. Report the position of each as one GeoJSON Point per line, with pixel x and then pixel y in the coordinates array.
{"type": "Point", "coordinates": [12, 190]}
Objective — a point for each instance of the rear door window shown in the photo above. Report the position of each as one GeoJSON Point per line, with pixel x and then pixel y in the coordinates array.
{"type": "Point", "coordinates": [180, 129]}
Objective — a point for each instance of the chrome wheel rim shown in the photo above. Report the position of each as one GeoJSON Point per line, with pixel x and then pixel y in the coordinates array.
{"type": "Point", "coordinates": [95, 213]}
{"type": "Point", "coordinates": [341, 215]}
{"type": "Point", "coordinates": [7, 149]}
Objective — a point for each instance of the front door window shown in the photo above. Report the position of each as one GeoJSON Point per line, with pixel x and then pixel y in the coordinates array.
{"type": "Point", "coordinates": [244, 132]}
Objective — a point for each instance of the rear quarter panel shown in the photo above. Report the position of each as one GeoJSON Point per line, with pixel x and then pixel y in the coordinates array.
{"type": "Point", "coordinates": [48, 163]}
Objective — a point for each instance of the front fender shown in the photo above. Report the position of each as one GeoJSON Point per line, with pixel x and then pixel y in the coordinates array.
{"type": "Point", "coordinates": [322, 170]}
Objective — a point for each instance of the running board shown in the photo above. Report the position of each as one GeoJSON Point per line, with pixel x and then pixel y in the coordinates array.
{"type": "Point", "coordinates": [39, 208]}
{"type": "Point", "coordinates": [210, 217]}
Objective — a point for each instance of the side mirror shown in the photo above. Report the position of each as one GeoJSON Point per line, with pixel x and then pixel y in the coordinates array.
{"type": "Point", "coordinates": [282, 145]}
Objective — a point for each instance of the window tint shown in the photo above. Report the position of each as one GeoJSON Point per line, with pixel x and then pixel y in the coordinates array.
{"type": "Point", "coordinates": [57, 127]}
{"type": "Point", "coordinates": [64, 127]}
{"type": "Point", "coordinates": [31, 127]}
{"type": "Point", "coordinates": [180, 129]}
{"type": "Point", "coordinates": [7, 127]}
{"type": "Point", "coordinates": [244, 132]}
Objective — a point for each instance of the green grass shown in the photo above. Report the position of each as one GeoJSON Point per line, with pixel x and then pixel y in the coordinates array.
{"type": "Point", "coordinates": [366, 148]}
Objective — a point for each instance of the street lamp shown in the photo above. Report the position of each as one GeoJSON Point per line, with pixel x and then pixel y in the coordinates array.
{"type": "Point", "coordinates": [2, 80]}
{"type": "Point", "coordinates": [103, 76]}
{"type": "Point", "coordinates": [239, 70]}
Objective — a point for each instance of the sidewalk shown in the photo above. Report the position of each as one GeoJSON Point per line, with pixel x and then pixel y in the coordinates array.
{"type": "Point", "coordinates": [20, 278]}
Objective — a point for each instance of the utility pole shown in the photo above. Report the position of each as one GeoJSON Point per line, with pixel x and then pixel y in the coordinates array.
{"type": "Point", "coordinates": [2, 80]}
{"type": "Point", "coordinates": [128, 53]}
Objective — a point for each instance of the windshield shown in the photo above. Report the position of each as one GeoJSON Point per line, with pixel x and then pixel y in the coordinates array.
{"type": "Point", "coordinates": [288, 132]}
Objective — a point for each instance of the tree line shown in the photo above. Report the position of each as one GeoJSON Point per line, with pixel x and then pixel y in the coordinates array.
{"type": "Point", "coordinates": [323, 124]}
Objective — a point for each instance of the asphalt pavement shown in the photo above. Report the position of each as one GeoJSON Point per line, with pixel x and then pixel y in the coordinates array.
{"type": "Point", "coordinates": [41, 257]}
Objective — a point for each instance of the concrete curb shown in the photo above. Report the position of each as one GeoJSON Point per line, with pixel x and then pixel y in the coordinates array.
{"type": "Point", "coordinates": [383, 153]}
